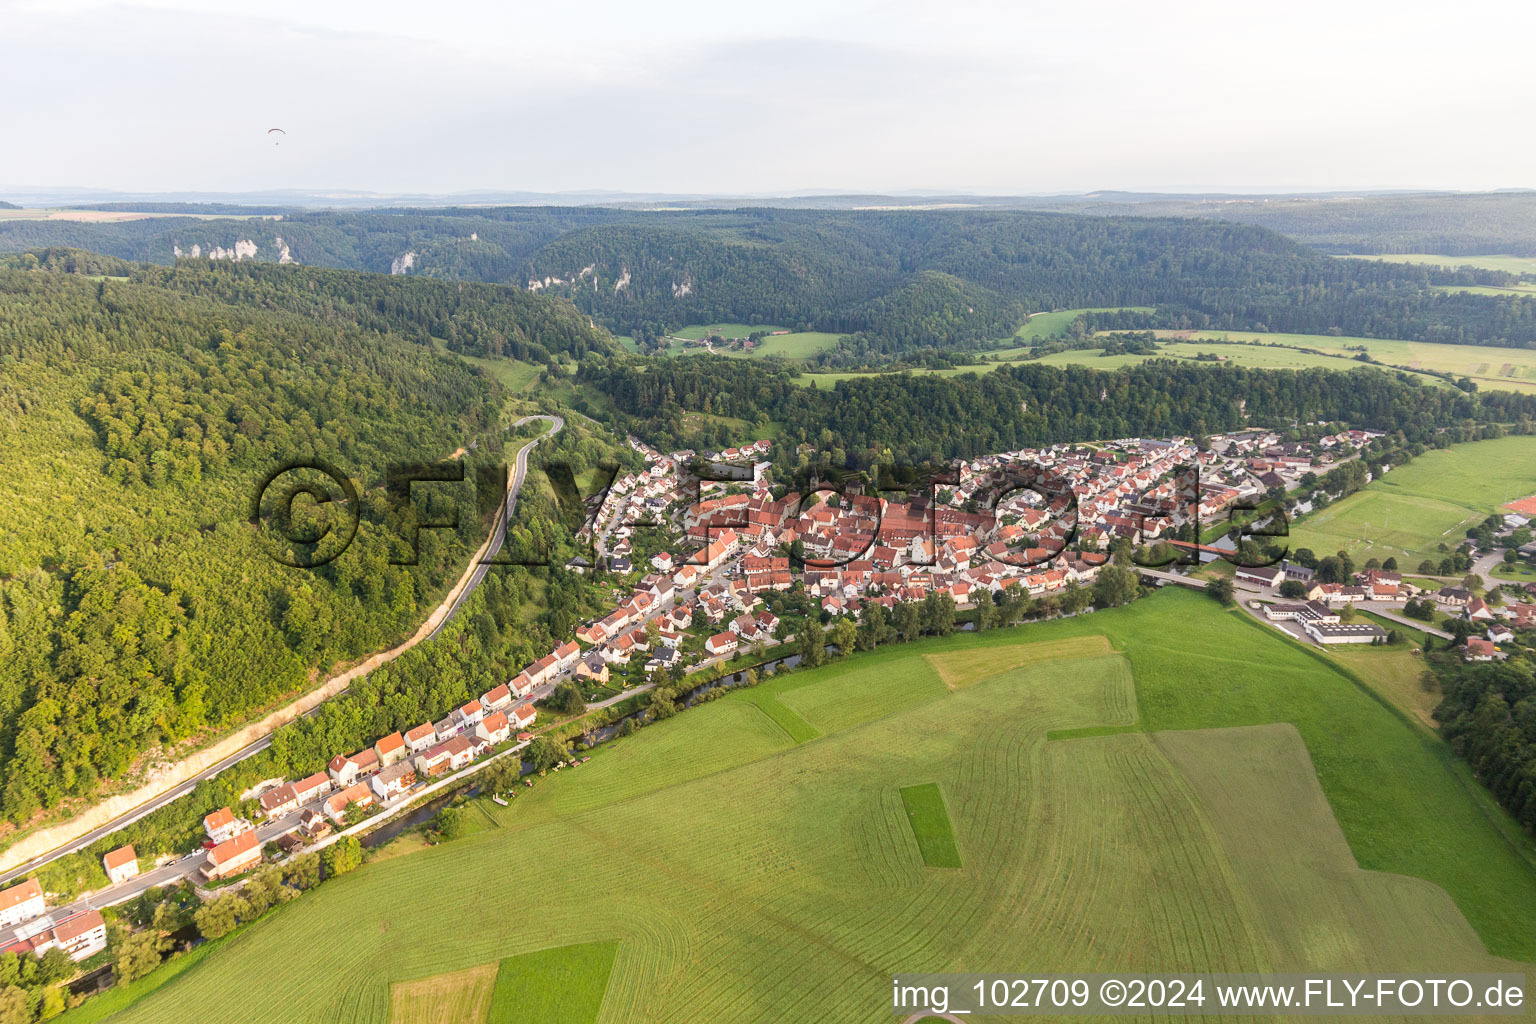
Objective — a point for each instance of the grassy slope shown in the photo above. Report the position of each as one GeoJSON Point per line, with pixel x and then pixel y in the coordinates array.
{"type": "Point", "coordinates": [1410, 511]}
{"type": "Point", "coordinates": [747, 877]}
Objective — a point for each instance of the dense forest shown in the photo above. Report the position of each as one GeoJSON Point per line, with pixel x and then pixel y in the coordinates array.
{"type": "Point", "coordinates": [895, 281]}
{"type": "Point", "coordinates": [925, 418]}
{"type": "Point", "coordinates": [1489, 716]}
{"type": "Point", "coordinates": [141, 411]}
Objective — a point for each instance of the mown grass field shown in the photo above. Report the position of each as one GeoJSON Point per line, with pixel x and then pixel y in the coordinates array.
{"type": "Point", "coordinates": [797, 345]}
{"type": "Point", "coordinates": [930, 825]}
{"type": "Point", "coordinates": [564, 985]}
{"type": "Point", "coordinates": [443, 998]}
{"type": "Point", "coordinates": [1432, 500]}
{"type": "Point", "coordinates": [1508, 369]}
{"type": "Point", "coordinates": [1258, 811]}
{"type": "Point", "coordinates": [1513, 264]}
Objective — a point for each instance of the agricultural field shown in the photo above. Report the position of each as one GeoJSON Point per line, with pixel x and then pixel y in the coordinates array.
{"type": "Point", "coordinates": [1413, 509]}
{"type": "Point", "coordinates": [1502, 369]}
{"type": "Point", "coordinates": [1513, 264]}
{"type": "Point", "coordinates": [1043, 325]}
{"type": "Point", "coordinates": [930, 825]}
{"type": "Point", "coordinates": [798, 345]}
{"type": "Point", "coordinates": [737, 874]}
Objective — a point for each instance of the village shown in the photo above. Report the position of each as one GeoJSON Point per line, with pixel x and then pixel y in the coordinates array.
{"type": "Point", "coordinates": [715, 560]}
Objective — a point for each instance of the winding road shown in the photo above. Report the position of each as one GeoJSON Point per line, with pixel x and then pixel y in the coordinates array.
{"type": "Point", "coordinates": [69, 838]}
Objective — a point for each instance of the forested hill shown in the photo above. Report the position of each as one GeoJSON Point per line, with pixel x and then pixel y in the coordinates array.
{"type": "Point", "coordinates": [930, 419]}
{"type": "Point", "coordinates": [899, 280]}
{"type": "Point", "coordinates": [138, 607]}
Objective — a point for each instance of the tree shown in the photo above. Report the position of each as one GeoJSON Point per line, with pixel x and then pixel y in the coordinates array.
{"type": "Point", "coordinates": [545, 751]}
{"type": "Point", "coordinates": [450, 823]}
{"type": "Point", "coordinates": [303, 871]}
{"type": "Point", "coordinates": [567, 699]}
{"type": "Point", "coordinates": [1390, 565]}
{"type": "Point", "coordinates": [1293, 589]}
{"type": "Point", "coordinates": [13, 1005]}
{"type": "Point", "coordinates": [55, 965]}
{"type": "Point", "coordinates": [1221, 589]}
{"type": "Point", "coordinates": [141, 952]}
{"type": "Point", "coordinates": [846, 636]}
{"type": "Point", "coordinates": [908, 621]}
{"type": "Point", "coordinates": [663, 704]}
{"type": "Point", "coordinates": [54, 1003]}
{"type": "Point", "coordinates": [1075, 598]}
{"type": "Point", "coordinates": [939, 614]}
{"type": "Point", "coordinates": [813, 648]}
{"type": "Point", "coordinates": [874, 627]}
{"type": "Point", "coordinates": [342, 856]}
{"type": "Point", "coordinates": [1114, 587]}
{"type": "Point", "coordinates": [626, 728]}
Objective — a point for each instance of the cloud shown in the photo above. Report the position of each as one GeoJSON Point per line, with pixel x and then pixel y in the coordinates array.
{"type": "Point", "coordinates": [701, 97]}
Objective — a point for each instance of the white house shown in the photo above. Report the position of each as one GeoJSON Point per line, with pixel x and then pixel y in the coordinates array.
{"type": "Point", "coordinates": [20, 903]}
{"type": "Point", "coordinates": [121, 864]}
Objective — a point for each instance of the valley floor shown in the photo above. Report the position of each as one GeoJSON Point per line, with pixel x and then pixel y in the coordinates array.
{"type": "Point", "coordinates": [1120, 795]}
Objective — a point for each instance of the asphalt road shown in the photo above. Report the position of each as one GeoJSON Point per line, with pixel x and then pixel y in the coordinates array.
{"type": "Point", "coordinates": [256, 747]}
{"type": "Point", "coordinates": [499, 532]}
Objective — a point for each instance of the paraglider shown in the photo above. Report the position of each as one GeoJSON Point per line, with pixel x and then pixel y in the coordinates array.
{"type": "Point", "coordinates": [276, 142]}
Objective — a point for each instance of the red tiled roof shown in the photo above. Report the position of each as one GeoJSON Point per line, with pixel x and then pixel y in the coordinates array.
{"type": "Point", "coordinates": [232, 848]}
{"type": "Point", "coordinates": [19, 894]}
{"type": "Point", "coordinates": [119, 857]}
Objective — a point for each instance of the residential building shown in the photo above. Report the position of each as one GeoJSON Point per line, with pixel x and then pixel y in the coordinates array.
{"type": "Point", "coordinates": [314, 825]}
{"type": "Point", "coordinates": [470, 714]}
{"type": "Point", "coordinates": [279, 802]}
{"type": "Point", "coordinates": [20, 903]}
{"type": "Point", "coordinates": [337, 803]}
{"type": "Point", "coordinates": [524, 715]}
{"type": "Point", "coordinates": [390, 749]}
{"type": "Point", "coordinates": [121, 864]}
{"type": "Point", "coordinates": [721, 643]}
{"type": "Point", "coordinates": [80, 935]}
{"type": "Point", "coordinates": [496, 699]}
{"type": "Point", "coordinates": [311, 788]}
{"type": "Point", "coordinates": [494, 728]}
{"type": "Point", "coordinates": [1478, 649]}
{"type": "Point", "coordinates": [420, 738]}
{"type": "Point", "coordinates": [232, 857]}
{"type": "Point", "coordinates": [222, 825]}
{"type": "Point", "coordinates": [393, 781]}
{"type": "Point", "coordinates": [448, 756]}
{"type": "Point", "coordinates": [592, 667]}
{"type": "Point", "coordinates": [346, 769]}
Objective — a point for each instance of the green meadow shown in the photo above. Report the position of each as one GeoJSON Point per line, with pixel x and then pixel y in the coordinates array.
{"type": "Point", "coordinates": [1513, 264]}
{"type": "Point", "coordinates": [1412, 510]}
{"type": "Point", "coordinates": [1230, 801]}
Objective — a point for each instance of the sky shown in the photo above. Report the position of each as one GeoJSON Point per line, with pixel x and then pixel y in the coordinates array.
{"type": "Point", "coordinates": [789, 96]}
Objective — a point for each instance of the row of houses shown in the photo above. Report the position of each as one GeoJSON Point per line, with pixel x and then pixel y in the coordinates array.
{"type": "Point", "coordinates": [29, 930]}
